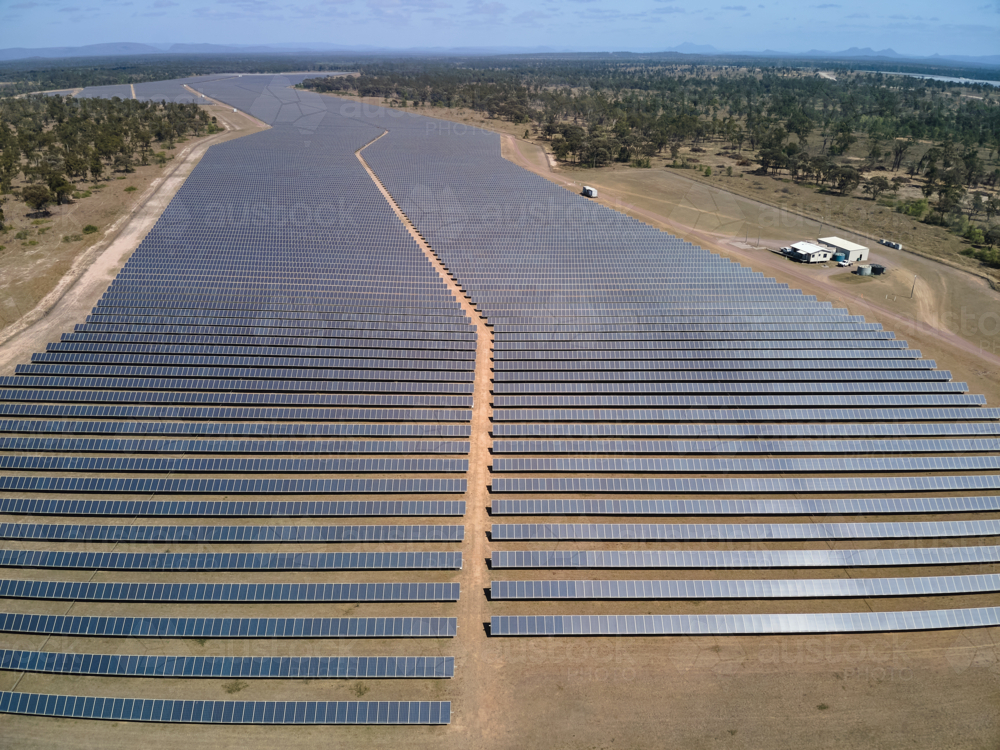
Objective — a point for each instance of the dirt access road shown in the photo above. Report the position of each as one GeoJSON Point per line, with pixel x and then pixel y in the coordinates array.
{"type": "Point", "coordinates": [91, 273]}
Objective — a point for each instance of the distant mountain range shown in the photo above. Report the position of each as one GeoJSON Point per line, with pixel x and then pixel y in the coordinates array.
{"type": "Point", "coordinates": [133, 49]}
{"type": "Point", "coordinates": [847, 54]}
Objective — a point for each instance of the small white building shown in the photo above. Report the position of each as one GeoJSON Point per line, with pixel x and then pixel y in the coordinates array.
{"type": "Point", "coordinates": [852, 251]}
{"type": "Point", "coordinates": [807, 252]}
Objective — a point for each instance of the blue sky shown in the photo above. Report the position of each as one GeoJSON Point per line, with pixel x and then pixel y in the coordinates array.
{"type": "Point", "coordinates": [917, 27]}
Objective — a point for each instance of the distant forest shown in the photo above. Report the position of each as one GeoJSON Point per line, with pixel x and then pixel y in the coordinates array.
{"type": "Point", "coordinates": [56, 141]}
{"type": "Point", "coordinates": [840, 135]}
{"type": "Point", "coordinates": [26, 76]}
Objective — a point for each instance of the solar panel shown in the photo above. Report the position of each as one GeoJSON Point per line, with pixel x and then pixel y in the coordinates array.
{"type": "Point", "coordinates": [766, 531]}
{"type": "Point", "coordinates": [746, 465]}
{"type": "Point", "coordinates": [130, 485]}
{"type": "Point", "coordinates": [230, 627]}
{"type": "Point", "coordinates": [230, 592]}
{"type": "Point", "coordinates": [735, 559]}
{"type": "Point", "coordinates": [226, 712]}
{"type": "Point", "coordinates": [736, 485]}
{"type": "Point", "coordinates": [826, 588]}
{"type": "Point", "coordinates": [251, 667]}
{"type": "Point", "coordinates": [232, 508]}
{"type": "Point", "coordinates": [232, 561]}
{"type": "Point", "coordinates": [846, 622]}
{"type": "Point", "coordinates": [714, 507]}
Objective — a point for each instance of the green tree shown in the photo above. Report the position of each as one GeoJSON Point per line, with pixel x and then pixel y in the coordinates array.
{"type": "Point", "coordinates": [846, 179]}
{"type": "Point", "coordinates": [61, 188]}
{"type": "Point", "coordinates": [37, 197]}
{"type": "Point", "coordinates": [992, 235]}
{"type": "Point", "coordinates": [876, 186]}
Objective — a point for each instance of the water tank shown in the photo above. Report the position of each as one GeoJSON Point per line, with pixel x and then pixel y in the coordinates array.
{"type": "Point", "coordinates": [837, 257]}
{"type": "Point", "coordinates": [877, 270]}
{"type": "Point", "coordinates": [864, 270]}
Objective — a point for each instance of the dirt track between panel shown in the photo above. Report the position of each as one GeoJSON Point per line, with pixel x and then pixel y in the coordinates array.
{"type": "Point", "coordinates": [472, 607]}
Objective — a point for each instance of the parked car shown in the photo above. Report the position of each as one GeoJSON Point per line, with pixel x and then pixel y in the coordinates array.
{"type": "Point", "coordinates": [845, 264]}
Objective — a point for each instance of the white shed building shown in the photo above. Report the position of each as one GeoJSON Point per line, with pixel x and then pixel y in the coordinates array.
{"type": "Point", "coordinates": [852, 251]}
{"type": "Point", "coordinates": [807, 252]}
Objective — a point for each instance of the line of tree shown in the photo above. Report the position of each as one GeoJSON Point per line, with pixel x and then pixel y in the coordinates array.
{"type": "Point", "coordinates": [53, 141]}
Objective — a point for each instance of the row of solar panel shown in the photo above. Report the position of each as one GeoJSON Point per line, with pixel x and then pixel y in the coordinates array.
{"type": "Point", "coordinates": [263, 667]}
{"type": "Point", "coordinates": [226, 712]}
{"type": "Point", "coordinates": [742, 486]}
{"type": "Point", "coordinates": [269, 386]}
{"type": "Point", "coordinates": [874, 373]}
{"type": "Point", "coordinates": [826, 588]}
{"type": "Point", "coordinates": [847, 622]}
{"type": "Point", "coordinates": [359, 341]}
{"type": "Point", "coordinates": [746, 531]}
{"type": "Point", "coordinates": [104, 445]}
{"type": "Point", "coordinates": [230, 627]}
{"type": "Point", "coordinates": [232, 508]}
{"type": "Point", "coordinates": [210, 414]}
{"type": "Point", "coordinates": [506, 360]}
{"type": "Point", "coordinates": [687, 447]}
{"type": "Point", "coordinates": [742, 415]}
{"type": "Point", "coordinates": [230, 592]}
{"type": "Point", "coordinates": [106, 464]}
{"type": "Point", "coordinates": [303, 393]}
{"type": "Point", "coordinates": [739, 401]}
{"type": "Point", "coordinates": [260, 373]}
{"type": "Point", "coordinates": [740, 559]}
{"type": "Point", "coordinates": [264, 350]}
{"type": "Point", "coordinates": [169, 486]}
{"type": "Point", "coordinates": [240, 429]}
{"type": "Point", "coordinates": [193, 316]}
{"type": "Point", "coordinates": [508, 349]}
{"type": "Point", "coordinates": [260, 361]}
{"type": "Point", "coordinates": [289, 329]}
{"type": "Point", "coordinates": [677, 465]}
{"type": "Point", "coordinates": [258, 533]}
{"type": "Point", "coordinates": [743, 507]}
{"type": "Point", "coordinates": [802, 430]}
{"type": "Point", "coordinates": [231, 561]}
{"type": "Point", "coordinates": [719, 388]}
{"type": "Point", "coordinates": [563, 339]}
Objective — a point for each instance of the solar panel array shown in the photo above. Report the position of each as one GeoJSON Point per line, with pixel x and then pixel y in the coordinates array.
{"type": "Point", "coordinates": [279, 337]}
{"type": "Point", "coordinates": [276, 338]}
{"type": "Point", "coordinates": [634, 365]}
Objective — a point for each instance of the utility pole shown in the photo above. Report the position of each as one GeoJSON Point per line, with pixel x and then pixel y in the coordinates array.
{"type": "Point", "coordinates": [914, 285]}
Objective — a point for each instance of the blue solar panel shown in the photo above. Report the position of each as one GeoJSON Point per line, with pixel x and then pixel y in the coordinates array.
{"type": "Point", "coordinates": [226, 712]}
{"type": "Point", "coordinates": [230, 627]}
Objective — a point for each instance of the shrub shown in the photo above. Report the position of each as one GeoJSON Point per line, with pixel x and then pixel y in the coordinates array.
{"type": "Point", "coordinates": [89, 229]}
{"type": "Point", "coordinates": [22, 235]}
{"type": "Point", "coordinates": [641, 161]}
{"type": "Point", "coordinates": [914, 208]}
{"type": "Point", "coordinates": [130, 189]}
{"type": "Point", "coordinates": [72, 237]}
